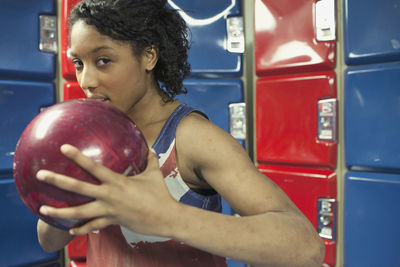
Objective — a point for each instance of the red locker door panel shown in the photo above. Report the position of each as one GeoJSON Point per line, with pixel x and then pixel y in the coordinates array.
{"type": "Point", "coordinates": [304, 187]}
{"type": "Point", "coordinates": [77, 264]}
{"type": "Point", "coordinates": [285, 39]}
{"type": "Point", "coordinates": [77, 248]}
{"type": "Point", "coordinates": [72, 90]}
{"type": "Point", "coordinates": [287, 120]}
{"type": "Point", "coordinates": [67, 69]}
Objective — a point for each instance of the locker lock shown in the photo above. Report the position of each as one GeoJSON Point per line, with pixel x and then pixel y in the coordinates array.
{"type": "Point", "coordinates": [48, 34]}
{"type": "Point", "coordinates": [326, 220]}
{"type": "Point", "coordinates": [237, 120]}
{"type": "Point", "coordinates": [325, 21]}
{"type": "Point", "coordinates": [327, 109]}
{"type": "Point", "coordinates": [235, 33]}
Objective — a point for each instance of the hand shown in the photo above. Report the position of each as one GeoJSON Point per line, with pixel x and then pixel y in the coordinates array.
{"type": "Point", "coordinates": [141, 203]}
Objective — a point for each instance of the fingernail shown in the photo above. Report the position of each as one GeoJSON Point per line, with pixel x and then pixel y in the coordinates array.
{"type": "Point", "coordinates": [43, 210]}
{"type": "Point", "coordinates": [72, 232]}
{"type": "Point", "coordinates": [41, 175]}
{"type": "Point", "coordinates": [65, 148]}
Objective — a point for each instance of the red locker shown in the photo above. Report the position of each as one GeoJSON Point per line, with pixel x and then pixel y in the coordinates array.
{"type": "Point", "coordinates": [77, 248]}
{"type": "Point", "coordinates": [288, 121]}
{"type": "Point", "coordinates": [72, 90]}
{"type": "Point", "coordinates": [67, 68]}
{"type": "Point", "coordinates": [290, 36]}
{"type": "Point", "coordinates": [77, 264]}
{"type": "Point", "coordinates": [307, 188]}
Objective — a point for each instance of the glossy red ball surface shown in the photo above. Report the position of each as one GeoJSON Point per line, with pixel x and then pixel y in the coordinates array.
{"type": "Point", "coordinates": [97, 129]}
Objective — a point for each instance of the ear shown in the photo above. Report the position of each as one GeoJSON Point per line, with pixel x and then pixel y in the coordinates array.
{"type": "Point", "coordinates": [150, 57]}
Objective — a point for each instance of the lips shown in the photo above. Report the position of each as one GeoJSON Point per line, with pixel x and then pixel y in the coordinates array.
{"type": "Point", "coordinates": [98, 97]}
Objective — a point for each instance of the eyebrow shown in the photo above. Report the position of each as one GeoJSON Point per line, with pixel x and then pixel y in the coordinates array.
{"type": "Point", "coordinates": [95, 50]}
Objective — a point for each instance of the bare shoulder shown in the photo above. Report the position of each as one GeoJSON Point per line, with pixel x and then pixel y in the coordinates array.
{"type": "Point", "coordinates": [221, 161]}
{"type": "Point", "coordinates": [201, 140]}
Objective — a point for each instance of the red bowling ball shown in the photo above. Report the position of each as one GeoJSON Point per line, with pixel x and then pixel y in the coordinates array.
{"type": "Point", "coordinates": [97, 129]}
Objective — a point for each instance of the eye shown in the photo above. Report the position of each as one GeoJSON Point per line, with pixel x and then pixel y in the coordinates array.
{"type": "Point", "coordinates": [77, 64]}
{"type": "Point", "coordinates": [103, 61]}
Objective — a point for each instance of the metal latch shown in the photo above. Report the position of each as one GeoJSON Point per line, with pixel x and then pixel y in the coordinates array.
{"type": "Point", "coordinates": [237, 120]}
{"type": "Point", "coordinates": [325, 20]}
{"type": "Point", "coordinates": [235, 33]}
{"type": "Point", "coordinates": [327, 109]}
{"type": "Point", "coordinates": [48, 34]}
{"type": "Point", "coordinates": [326, 220]}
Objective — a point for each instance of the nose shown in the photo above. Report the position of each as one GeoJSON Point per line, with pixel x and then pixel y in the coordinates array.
{"type": "Point", "coordinates": [87, 79]}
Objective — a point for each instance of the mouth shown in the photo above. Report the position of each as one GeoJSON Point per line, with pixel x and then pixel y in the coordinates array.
{"type": "Point", "coordinates": [99, 98]}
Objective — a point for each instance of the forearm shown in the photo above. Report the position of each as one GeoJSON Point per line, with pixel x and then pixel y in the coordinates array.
{"type": "Point", "coordinates": [270, 239]}
{"type": "Point", "coordinates": [50, 238]}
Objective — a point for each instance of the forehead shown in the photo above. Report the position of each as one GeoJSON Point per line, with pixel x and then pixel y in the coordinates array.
{"type": "Point", "coordinates": [86, 37]}
{"type": "Point", "coordinates": [82, 33]}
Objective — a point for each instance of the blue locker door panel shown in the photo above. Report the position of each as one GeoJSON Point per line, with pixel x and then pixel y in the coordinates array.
{"type": "Point", "coordinates": [19, 245]}
{"type": "Point", "coordinates": [20, 102]}
{"type": "Point", "coordinates": [213, 98]}
{"type": "Point", "coordinates": [371, 219]}
{"type": "Point", "coordinates": [372, 117]}
{"type": "Point", "coordinates": [371, 31]}
{"type": "Point", "coordinates": [206, 19]}
{"type": "Point", "coordinates": [19, 40]}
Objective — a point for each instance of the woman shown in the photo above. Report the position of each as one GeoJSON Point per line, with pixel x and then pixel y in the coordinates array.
{"type": "Point", "coordinates": [133, 54]}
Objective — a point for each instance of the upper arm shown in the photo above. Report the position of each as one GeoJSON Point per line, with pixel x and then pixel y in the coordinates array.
{"type": "Point", "coordinates": [226, 167]}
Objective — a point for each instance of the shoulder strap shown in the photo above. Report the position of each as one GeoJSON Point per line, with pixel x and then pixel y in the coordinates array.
{"type": "Point", "coordinates": [167, 134]}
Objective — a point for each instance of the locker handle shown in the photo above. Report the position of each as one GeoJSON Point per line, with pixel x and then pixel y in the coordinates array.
{"type": "Point", "coordinates": [237, 120]}
{"type": "Point", "coordinates": [325, 20]}
{"type": "Point", "coordinates": [327, 125]}
{"type": "Point", "coordinates": [48, 34]}
{"type": "Point", "coordinates": [326, 221]}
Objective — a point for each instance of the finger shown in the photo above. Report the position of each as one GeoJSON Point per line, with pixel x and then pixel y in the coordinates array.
{"type": "Point", "coordinates": [99, 171]}
{"type": "Point", "coordinates": [93, 225]}
{"type": "Point", "coordinates": [85, 211]}
{"type": "Point", "coordinates": [68, 183]}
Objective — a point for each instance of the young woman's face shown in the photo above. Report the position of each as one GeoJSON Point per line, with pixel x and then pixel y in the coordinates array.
{"type": "Point", "coordinates": [107, 69]}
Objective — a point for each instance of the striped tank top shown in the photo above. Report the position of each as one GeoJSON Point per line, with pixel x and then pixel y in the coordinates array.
{"type": "Point", "coordinates": [116, 246]}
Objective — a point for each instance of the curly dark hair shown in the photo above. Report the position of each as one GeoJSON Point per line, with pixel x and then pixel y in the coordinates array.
{"type": "Point", "coordinates": [143, 24]}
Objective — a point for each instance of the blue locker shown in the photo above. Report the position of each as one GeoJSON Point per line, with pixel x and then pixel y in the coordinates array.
{"type": "Point", "coordinates": [371, 219]}
{"type": "Point", "coordinates": [19, 40]}
{"type": "Point", "coordinates": [19, 245]}
{"type": "Point", "coordinates": [372, 116]}
{"type": "Point", "coordinates": [208, 20]}
{"type": "Point", "coordinates": [213, 98]}
{"type": "Point", "coordinates": [371, 31]}
{"type": "Point", "coordinates": [20, 102]}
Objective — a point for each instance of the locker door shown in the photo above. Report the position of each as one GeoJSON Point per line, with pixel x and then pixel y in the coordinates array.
{"type": "Point", "coordinates": [372, 117]}
{"type": "Point", "coordinates": [287, 38]}
{"type": "Point", "coordinates": [19, 245]}
{"type": "Point", "coordinates": [67, 68]}
{"type": "Point", "coordinates": [287, 120]}
{"type": "Point", "coordinates": [217, 36]}
{"type": "Point", "coordinates": [20, 36]}
{"type": "Point", "coordinates": [371, 31]}
{"type": "Point", "coordinates": [371, 216]}
{"type": "Point", "coordinates": [314, 193]}
{"type": "Point", "coordinates": [213, 96]}
{"type": "Point", "coordinates": [28, 44]}
{"type": "Point", "coordinates": [72, 90]}
{"type": "Point", "coordinates": [77, 247]}
{"type": "Point", "coordinates": [20, 102]}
